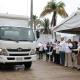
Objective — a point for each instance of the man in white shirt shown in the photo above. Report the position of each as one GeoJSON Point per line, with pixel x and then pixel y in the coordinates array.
{"type": "Point", "coordinates": [40, 50]}
{"type": "Point", "coordinates": [57, 52]}
{"type": "Point", "coordinates": [62, 51]}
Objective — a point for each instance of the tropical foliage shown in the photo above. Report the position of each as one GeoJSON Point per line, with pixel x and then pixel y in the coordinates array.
{"type": "Point", "coordinates": [36, 21]}
{"type": "Point", "coordinates": [55, 8]}
{"type": "Point", "coordinates": [45, 24]}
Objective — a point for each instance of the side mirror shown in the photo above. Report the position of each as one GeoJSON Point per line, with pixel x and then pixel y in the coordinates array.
{"type": "Point", "coordinates": [37, 34]}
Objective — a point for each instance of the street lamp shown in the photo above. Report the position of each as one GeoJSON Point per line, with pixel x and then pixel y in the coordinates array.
{"type": "Point", "coordinates": [31, 13]}
{"type": "Point", "coordinates": [52, 0]}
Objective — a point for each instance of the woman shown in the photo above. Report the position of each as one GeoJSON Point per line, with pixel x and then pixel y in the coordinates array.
{"type": "Point", "coordinates": [74, 54]}
{"type": "Point", "coordinates": [51, 50]}
{"type": "Point", "coordinates": [78, 57]}
{"type": "Point", "coordinates": [48, 47]}
{"type": "Point", "coordinates": [68, 54]}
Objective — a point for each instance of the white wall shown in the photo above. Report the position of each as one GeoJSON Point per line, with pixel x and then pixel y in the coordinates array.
{"type": "Point", "coordinates": [44, 38]}
{"type": "Point", "coordinates": [13, 22]}
{"type": "Point", "coordinates": [76, 38]}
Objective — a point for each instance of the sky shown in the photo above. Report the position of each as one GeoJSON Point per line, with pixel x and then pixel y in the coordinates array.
{"type": "Point", "coordinates": [22, 7]}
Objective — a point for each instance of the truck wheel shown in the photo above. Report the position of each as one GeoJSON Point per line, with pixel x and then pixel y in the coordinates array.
{"type": "Point", "coordinates": [27, 65]}
{"type": "Point", "coordinates": [1, 66]}
{"type": "Point", "coordinates": [9, 67]}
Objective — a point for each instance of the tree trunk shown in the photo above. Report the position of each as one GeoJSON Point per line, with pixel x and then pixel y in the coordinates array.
{"type": "Point", "coordinates": [53, 22]}
{"type": "Point", "coordinates": [34, 25]}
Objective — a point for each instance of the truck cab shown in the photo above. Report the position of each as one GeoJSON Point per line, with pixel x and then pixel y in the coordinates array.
{"type": "Point", "coordinates": [17, 42]}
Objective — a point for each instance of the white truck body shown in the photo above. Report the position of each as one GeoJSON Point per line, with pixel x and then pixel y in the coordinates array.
{"type": "Point", "coordinates": [16, 51]}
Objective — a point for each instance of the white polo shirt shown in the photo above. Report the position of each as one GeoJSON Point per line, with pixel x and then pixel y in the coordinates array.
{"type": "Point", "coordinates": [68, 46]}
{"type": "Point", "coordinates": [62, 46]}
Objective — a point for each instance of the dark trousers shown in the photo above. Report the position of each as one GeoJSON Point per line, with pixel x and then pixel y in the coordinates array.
{"type": "Point", "coordinates": [51, 57]}
{"type": "Point", "coordinates": [62, 57]}
{"type": "Point", "coordinates": [54, 55]}
{"type": "Point", "coordinates": [40, 54]}
{"type": "Point", "coordinates": [57, 59]}
{"type": "Point", "coordinates": [47, 57]}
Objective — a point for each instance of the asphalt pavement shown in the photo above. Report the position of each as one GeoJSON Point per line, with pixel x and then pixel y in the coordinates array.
{"type": "Point", "coordinates": [41, 70]}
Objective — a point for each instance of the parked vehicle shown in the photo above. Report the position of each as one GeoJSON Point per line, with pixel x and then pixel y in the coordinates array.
{"type": "Point", "coordinates": [17, 41]}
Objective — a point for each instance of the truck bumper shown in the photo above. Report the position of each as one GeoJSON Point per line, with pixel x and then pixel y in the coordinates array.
{"type": "Point", "coordinates": [17, 59]}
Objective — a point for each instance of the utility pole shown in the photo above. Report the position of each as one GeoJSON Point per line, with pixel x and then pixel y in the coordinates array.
{"type": "Point", "coordinates": [31, 14]}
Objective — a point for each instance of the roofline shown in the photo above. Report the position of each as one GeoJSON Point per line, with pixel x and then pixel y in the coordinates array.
{"type": "Point", "coordinates": [66, 19]}
{"type": "Point", "coordinates": [13, 16]}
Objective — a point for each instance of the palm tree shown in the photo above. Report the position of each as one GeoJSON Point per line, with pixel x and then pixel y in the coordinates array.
{"type": "Point", "coordinates": [36, 21]}
{"type": "Point", "coordinates": [45, 24]}
{"type": "Point", "coordinates": [55, 8]}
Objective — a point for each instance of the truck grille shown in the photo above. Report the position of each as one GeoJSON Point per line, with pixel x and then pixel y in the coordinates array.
{"type": "Point", "coordinates": [18, 50]}
{"type": "Point", "coordinates": [18, 54]}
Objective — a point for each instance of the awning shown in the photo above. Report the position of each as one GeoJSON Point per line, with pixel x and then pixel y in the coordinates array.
{"type": "Point", "coordinates": [69, 25]}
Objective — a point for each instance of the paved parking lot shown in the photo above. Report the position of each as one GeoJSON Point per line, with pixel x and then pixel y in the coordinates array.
{"type": "Point", "coordinates": [41, 70]}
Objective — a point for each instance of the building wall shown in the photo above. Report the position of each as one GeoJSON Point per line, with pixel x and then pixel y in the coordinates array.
{"type": "Point", "coordinates": [13, 22]}
{"type": "Point", "coordinates": [44, 38]}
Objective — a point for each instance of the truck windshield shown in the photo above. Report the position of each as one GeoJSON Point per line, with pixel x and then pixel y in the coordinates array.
{"type": "Point", "coordinates": [16, 34]}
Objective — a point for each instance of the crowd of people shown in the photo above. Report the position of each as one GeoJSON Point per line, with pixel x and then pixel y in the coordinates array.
{"type": "Point", "coordinates": [65, 53]}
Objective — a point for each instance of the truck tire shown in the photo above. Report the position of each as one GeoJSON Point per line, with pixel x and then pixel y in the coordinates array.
{"type": "Point", "coordinates": [9, 67]}
{"type": "Point", "coordinates": [1, 66]}
{"type": "Point", "coordinates": [6, 67]}
{"type": "Point", "coordinates": [27, 65]}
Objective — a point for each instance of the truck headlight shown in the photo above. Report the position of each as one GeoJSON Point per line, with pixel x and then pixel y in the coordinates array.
{"type": "Point", "coordinates": [3, 52]}
{"type": "Point", "coordinates": [32, 52]}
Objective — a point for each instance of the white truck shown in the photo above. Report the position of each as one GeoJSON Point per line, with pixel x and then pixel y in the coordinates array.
{"type": "Point", "coordinates": [17, 41]}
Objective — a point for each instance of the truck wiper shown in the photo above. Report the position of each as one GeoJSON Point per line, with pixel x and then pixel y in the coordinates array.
{"type": "Point", "coordinates": [10, 39]}
{"type": "Point", "coordinates": [26, 40]}
{"type": "Point", "coordinates": [23, 40]}
{"type": "Point", "coordinates": [7, 39]}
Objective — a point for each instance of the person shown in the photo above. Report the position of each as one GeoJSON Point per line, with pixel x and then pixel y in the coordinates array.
{"type": "Point", "coordinates": [78, 56]}
{"type": "Point", "coordinates": [37, 50]}
{"type": "Point", "coordinates": [62, 51]}
{"type": "Point", "coordinates": [45, 48]}
{"type": "Point", "coordinates": [54, 51]}
{"type": "Point", "coordinates": [57, 57]}
{"type": "Point", "coordinates": [74, 53]}
{"type": "Point", "coordinates": [68, 53]}
{"type": "Point", "coordinates": [47, 55]}
{"type": "Point", "coordinates": [50, 50]}
{"type": "Point", "coordinates": [40, 50]}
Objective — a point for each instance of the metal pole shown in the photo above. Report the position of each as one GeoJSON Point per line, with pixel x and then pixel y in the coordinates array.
{"type": "Point", "coordinates": [31, 14]}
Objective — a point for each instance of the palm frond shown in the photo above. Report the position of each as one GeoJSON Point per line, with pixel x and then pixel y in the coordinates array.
{"type": "Point", "coordinates": [55, 8]}
{"type": "Point", "coordinates": [34, 17]}
{"type": "Point", "coordinates": [62, 12]}
{"type": "Point", "coordinates": [45, 24]}
{"type": "Point", "coordinates": [50, 7]}
{"type": "Point", "coordinates": [60, 4]}
{"type": "Point", "coordinates": [60, 9]}
{"type": "Point", "coordinates": [45, 12]}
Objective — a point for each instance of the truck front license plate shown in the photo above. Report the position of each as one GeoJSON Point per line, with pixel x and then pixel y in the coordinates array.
{"type": "Point", "coordinates": [19, 58]}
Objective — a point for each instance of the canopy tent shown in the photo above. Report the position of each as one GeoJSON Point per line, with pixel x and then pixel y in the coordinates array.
{"type": "Point", "coordinates": [69, 25]}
